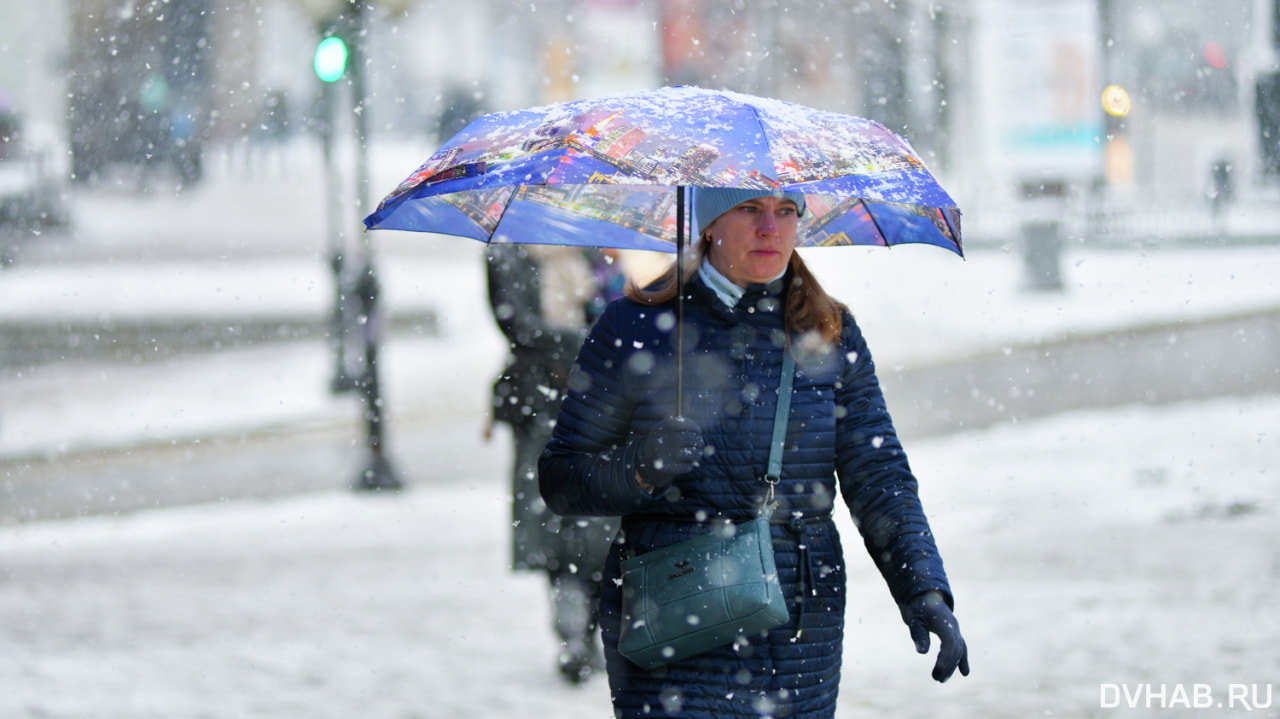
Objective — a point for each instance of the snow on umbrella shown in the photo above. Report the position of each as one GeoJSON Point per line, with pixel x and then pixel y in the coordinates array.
{"type": "Point", "coordinates": [605, 173]}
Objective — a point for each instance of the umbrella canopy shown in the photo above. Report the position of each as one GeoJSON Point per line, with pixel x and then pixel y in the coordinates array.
{"type": "Point", "coordinates": [605, 173]}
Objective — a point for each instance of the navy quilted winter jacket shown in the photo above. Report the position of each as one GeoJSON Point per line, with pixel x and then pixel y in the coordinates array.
{"type": "Point", "coordinates": [839, 435]}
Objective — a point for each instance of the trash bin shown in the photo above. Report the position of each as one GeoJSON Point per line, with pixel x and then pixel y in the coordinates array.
{"type": "Point", "coordinates": [1042, 254]}
{"type": "Point", "coordinates": [1042, 234]}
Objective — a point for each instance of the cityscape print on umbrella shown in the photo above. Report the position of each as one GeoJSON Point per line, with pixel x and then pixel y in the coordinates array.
{"type": "Point", "coordinates": [602, 173]}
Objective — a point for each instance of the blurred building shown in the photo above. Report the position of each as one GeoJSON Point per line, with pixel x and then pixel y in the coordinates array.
{"type": "Point", "coordinates": [1190, 69]}
{"type": "Point", "coordinates": [139, 85]}
{"type": "Point", "coordinates": [32, 53]}
{"type": "Point", "coordinates": [996, 95]}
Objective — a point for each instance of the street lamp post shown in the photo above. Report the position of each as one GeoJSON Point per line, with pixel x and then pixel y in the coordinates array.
{"type": "Point", "coordinates": [378, 473]}
{"type": "Point", "coordinates": [345, 20]}
{"type": "Point", "coordinates": [330, 65]}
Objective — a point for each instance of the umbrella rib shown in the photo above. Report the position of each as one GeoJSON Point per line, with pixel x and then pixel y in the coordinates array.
{"type": "Point", "coordinates": [505, 206]}
{"type": "Point", "coordinates": [760, 123]}
{"type": "Point", "coordinates": [955, 231]}
{"type": "Point", "coordinates": [874, 223]}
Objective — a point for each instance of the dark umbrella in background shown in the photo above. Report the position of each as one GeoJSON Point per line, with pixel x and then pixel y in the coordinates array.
{"type": "Point", "coordinates": [615, 171]}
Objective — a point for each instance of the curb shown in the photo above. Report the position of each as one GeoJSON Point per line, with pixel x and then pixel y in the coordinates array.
{"type": "Point", "coordinates": [160, 337]}
{"type": "Point", "coordinates": [1222, 356]}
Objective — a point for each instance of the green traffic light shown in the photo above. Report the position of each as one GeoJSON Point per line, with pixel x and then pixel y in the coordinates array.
{"type": "Point", "coordinates": [331, 59]}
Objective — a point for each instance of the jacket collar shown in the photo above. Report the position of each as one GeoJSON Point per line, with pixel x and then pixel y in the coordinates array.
{"type": "Point", "coordinates": [731, 294]}
{"type": "Point", "coordinates": [765, 297]}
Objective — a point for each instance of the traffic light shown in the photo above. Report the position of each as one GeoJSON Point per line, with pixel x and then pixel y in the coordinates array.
{"type": "Point", "coordinates": [331, 58]}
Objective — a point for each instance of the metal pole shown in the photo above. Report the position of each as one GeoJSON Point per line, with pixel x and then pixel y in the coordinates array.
{"type": "Point", "coordinates": [342, 379]}
{"type": "Point", "coordinates": [360, 100]}
{"type": "Point", "coordinates": [378, 474]}
{"type": "Point", "coordinates": [679, 300]}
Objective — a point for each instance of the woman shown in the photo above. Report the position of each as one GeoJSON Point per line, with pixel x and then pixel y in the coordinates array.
{"type": "Point", "coordinates": [620, 449]}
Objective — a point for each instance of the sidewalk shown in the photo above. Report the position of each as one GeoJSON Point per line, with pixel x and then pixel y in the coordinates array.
{"type": "Point", "coordinates": [918, 307]}
{"type": "Point", "coordinates": [1133, 546]}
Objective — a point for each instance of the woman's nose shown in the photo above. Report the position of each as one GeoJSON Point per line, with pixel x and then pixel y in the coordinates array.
{"type": "Point", "coordinates": [768, 224]}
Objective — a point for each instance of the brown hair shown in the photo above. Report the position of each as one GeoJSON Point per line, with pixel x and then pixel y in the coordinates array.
{"type": "Point", "coordinates": [809, 309]}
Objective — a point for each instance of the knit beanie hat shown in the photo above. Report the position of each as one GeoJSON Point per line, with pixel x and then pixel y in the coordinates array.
{"type": "Point", "coordinates": [711, 202]}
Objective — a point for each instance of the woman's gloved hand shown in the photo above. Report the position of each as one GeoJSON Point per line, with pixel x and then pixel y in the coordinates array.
{"type": "Point", "coordinates": [927, 613]}
{"type": "Point", "coordinates": [673, 447]}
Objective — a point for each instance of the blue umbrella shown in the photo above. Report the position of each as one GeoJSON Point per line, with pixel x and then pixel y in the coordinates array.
{"type": "Point", "coordinates": [604, 173]}
{"type": "Point", "coordinates": [613, 172]}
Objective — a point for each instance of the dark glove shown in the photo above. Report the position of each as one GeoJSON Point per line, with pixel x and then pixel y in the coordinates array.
{"type": "Point", "coordinates": [673, 447]}
{"type": "Point", "coordinates": [927, 613]}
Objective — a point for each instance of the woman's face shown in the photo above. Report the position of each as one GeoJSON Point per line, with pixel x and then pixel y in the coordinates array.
{"type": "Point", "coordinates": [752, 243]}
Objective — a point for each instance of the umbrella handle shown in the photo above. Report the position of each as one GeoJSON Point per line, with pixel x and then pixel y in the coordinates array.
{"type": "Point", "coordinates": [680, 212]}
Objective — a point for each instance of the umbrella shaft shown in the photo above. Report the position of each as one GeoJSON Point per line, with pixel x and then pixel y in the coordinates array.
{"type": "Point", "coordinates": [679, 301]}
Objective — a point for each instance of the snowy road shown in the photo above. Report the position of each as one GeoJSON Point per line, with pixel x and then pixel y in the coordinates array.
{"type": "Point", "coordinates": [1127, 547]}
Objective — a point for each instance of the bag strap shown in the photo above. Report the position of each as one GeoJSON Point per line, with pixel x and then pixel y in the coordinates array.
{"type": "Point", "coordinates": [781, 415]}
{"type": "Point", "coordinates": [774, 473]}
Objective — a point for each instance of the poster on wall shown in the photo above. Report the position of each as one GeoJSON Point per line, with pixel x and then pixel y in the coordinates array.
{"type": "Point", "coordinates": [1038, 85]}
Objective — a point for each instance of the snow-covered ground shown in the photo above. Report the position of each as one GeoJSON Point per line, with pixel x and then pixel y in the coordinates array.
{"type": "Point", "coordinates": [1130, 547]}
{"type": "Point", "coordinates": [917, 305]}
{"type": "Point", "coordinates": [1134, 546]}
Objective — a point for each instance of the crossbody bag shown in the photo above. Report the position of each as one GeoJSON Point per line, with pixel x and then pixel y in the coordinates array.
{"type": "Point", "coordinates": [691, 597]}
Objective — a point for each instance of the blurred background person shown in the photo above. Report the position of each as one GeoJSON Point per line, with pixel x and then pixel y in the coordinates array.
{"type": "Point", "coordinates": [544, 299]}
